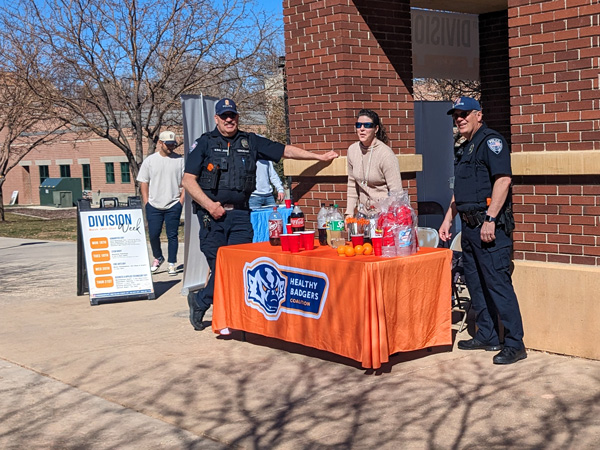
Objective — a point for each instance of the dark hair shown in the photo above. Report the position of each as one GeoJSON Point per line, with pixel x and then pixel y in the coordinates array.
{"type": "Point", "coordinates": [381, 134]}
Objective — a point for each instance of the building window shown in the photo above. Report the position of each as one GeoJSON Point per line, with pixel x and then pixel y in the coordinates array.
{"type": "Point", "coordinates": [87, 177]}
{"type": "Point", "coordinates": [44, 173]}
{"type": "Point", "coordinates": [125, 176]}
{"type": "Point", "coordinates": [110, 172]}
{"type": "Point", "coordinates": [65, 171]}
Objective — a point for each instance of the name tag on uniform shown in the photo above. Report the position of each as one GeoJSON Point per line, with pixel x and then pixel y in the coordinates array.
{"type": "Point", "coordinates": [241, 150]}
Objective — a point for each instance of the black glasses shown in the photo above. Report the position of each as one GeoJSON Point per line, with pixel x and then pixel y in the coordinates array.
{"type": "Point", "coordinates": [461, 114]}
{"type": "Point", "coordinates": [228, 115]}
{"type": "Point", "coordinates": [364, 124]}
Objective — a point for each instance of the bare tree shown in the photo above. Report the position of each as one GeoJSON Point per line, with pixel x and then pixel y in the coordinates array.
{"type": "Point", "coordinates": [441, 89]}
{"type": "Point", "coordinates": [25, 123]}
{"type": "Point", "coordinates": [117, 68]}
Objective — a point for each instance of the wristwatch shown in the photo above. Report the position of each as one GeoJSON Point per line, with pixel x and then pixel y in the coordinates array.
{"type": "Point", "coordinates": [490, 218]}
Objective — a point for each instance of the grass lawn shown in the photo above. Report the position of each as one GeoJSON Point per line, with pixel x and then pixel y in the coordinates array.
{"type": "Point", "coordinates": [61, 229]}
{"type": "Point", "coordinates": [26, 227]}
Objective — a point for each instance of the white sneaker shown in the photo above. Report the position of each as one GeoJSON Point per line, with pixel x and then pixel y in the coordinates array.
{"type": "Point", "coordinates": [172, 269]}
{"type": "Point", "coordinates": [156, 264]}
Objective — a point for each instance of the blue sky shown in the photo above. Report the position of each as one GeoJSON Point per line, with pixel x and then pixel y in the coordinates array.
{"type": "Point", "coordinates": [274, 6]}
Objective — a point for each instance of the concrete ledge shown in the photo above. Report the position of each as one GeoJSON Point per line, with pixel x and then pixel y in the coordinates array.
{"type": "Point", "coordinates": [561, 313]}
{"type": "Point", "coordinates": [339, 166]}
{"type": "Point", "coordinates": [556, 163]}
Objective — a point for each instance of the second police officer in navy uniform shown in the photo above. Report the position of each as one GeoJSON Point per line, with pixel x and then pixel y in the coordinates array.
{"type": "Point", "coordinates": [220, 175]}
{"type": "Point", "coordinates": [482, 198]}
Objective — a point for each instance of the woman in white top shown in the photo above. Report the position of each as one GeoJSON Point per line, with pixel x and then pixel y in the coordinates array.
{"type": "Point", "coordinates": [373, 169]}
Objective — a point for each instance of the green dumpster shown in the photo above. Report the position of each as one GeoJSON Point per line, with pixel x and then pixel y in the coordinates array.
{"type": "Point", "coordinates": [60, 192]}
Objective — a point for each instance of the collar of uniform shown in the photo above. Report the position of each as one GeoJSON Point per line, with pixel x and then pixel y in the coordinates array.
{"type": "Point", "coordinates": [217, 133]}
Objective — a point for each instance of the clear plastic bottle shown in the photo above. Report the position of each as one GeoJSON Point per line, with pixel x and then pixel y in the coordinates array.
{"type": "Point", "coordinates": [328, 223]}
{"type": "Point", "coordinates": [322, 224]}
{"type": "Point", "coordinates": [297, 219]}
{"type": "Point", "coordinates": [336, 228]}
{"type": "Point", "coordinates": [275, 227]}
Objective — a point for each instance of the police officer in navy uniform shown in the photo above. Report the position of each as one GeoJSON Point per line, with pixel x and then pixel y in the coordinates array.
{"type": "Point", "coordinates": [220, 175]}
{"type": "Point", "coordinates": [482, 198]}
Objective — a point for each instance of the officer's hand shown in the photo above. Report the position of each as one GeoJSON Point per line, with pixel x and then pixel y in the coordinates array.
{"type": "Point", "coordinates": [217, 211]}
{"type": "Point", "coordinates": [444, 231]}
{"type": "Point", "coordinates": [488, 231]}
{"type": "Point", "coordinates": [330, 155]}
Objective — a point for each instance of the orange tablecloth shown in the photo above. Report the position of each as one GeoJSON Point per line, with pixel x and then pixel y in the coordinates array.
{"type": "Point", "coordinates": [364, 307]}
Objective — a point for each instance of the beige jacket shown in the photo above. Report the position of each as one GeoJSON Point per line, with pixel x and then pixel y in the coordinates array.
{"type": "Point", "coordinates": [372, 173]}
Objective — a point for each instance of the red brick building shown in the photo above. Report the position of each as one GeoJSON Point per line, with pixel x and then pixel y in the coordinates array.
{"type": "Point", "coordinates": [539, 62]}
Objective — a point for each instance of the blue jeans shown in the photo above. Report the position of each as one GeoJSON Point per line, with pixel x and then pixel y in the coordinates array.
{"type": "Point", "coordinates": [258, 201]}
{"type": "Point", "coordinates": [170, 217]}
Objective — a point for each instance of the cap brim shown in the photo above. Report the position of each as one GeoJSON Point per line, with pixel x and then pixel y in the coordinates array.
{"type": "Point", "coordinates": [450, 112]}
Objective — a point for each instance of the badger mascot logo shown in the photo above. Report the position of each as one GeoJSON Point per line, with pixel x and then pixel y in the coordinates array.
{"type": "Point", "coordinates": [265, 288]}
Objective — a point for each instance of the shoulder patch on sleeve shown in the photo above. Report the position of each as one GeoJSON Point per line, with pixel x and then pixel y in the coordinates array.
{"type": "Point", "coordinates": [193, 146]}
{"type": "Point", "coordinates": [495, 145]}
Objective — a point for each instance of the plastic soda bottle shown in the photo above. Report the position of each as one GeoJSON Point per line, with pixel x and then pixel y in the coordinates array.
{"type": "Point", "coordinates": [336, 228]}
{"type": "Point", "coordinates": [275, 227]}
{"type": "Point", "coordinates": [322, 224]}
{"type": "Point", "coordinates": [297, 219]}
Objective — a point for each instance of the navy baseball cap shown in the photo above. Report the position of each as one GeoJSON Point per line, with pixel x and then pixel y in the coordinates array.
{"type": "Point", "coordinates": [465, 104]}
{"type": "Point", "coordinates": [225, 105]}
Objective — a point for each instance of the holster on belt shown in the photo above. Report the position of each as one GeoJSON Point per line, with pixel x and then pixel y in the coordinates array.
{"type": "Point", "coordinates": [473, 218]}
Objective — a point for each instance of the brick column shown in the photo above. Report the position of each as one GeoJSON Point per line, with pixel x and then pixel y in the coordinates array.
{"type": "Point", "coordinates": [555, 106]}
{"type": "Point", "coordinates": [341, 56]}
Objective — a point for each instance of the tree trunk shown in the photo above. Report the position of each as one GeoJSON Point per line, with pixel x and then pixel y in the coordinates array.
{"type": "Point", "coordinates": [2, 178]}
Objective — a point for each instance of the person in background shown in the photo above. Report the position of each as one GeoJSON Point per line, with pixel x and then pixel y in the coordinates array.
{"type": "Point", "coordinates": [220, 175]}
{"type": "Point", "coordinates": [482, 198]}
{"type": "Point", "coordinates": [373, 168]}
{"type": "Point", "coordinates": [263, 194]}
{"type": "Point", "coordinates": [160, 184]}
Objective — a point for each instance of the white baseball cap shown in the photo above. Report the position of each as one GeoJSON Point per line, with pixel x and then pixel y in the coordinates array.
{"type": "Point", "coordinates": [168, 137]}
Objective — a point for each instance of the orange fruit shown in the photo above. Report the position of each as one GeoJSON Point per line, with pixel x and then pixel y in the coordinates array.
{"type": "Point", "coordinates": [359, 249]}
{"type": "Point", "coordinates": [367, 249]}
{"type": "Point", "coordinates": [341, 250]}
{"type": "Point", "coordinates": [349, 250]}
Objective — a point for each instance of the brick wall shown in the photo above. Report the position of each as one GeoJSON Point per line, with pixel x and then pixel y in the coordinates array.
{"type": "Point", "coordinates": [335, 66]}
{"type": "Point", "coordinates": [557, 219]}
{"type": "Point", "coordinates": [555, 106]}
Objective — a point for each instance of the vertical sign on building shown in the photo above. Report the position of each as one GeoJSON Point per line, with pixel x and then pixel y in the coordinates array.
{"type": "Point", "coordinates": [445, 45]}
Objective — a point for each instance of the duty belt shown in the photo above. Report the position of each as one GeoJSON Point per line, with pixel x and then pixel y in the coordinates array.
{"type": "Point", "coordinates": [230, 206]}
{"type": "Point", "coordinates": [473, 218]}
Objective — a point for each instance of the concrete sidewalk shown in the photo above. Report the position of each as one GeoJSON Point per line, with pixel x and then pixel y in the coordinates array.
{"type": "Point", "coordinates": [136, 375]}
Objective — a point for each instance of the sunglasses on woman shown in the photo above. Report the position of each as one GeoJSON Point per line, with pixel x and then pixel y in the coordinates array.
{"type": "Point", "coordinates": [364, 124]}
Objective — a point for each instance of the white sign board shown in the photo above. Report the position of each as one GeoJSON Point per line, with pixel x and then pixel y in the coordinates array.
{"type": "Point", "coordinates": [13, 198]}
{"type": "Point", "coordinates": [116, 253]}
{"type": "Point", "coordinates": [445, 45]}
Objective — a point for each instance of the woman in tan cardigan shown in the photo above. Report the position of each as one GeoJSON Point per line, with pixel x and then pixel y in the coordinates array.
{"type": "Point", "coordinates": [373, 169]}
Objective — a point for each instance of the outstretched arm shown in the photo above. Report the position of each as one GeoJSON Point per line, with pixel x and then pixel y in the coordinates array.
{"type": "Point", "coordinates": [292, 152]}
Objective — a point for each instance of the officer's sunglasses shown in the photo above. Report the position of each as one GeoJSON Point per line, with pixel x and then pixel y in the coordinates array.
{"type": "Point", "coordinates": [364, 124]}
{"type": "Point", "coordinates": [228, 115]}
{"type": "Point", "coordinates": [461, 114]}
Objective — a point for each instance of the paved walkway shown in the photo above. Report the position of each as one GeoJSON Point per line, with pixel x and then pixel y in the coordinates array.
{"type": "Point", "coordinates": [136, 375]}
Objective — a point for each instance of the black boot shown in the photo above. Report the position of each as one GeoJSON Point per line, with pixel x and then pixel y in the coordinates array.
{"type": "Point", "coordinates": [196, 313]}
